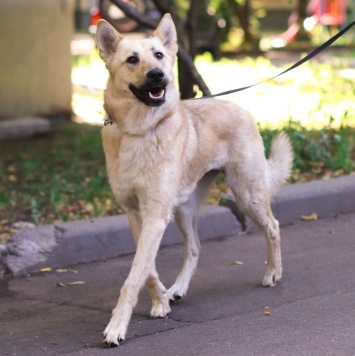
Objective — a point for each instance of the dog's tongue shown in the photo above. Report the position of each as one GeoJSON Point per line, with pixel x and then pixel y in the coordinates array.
{"type": "Point", "coordinates": [156, 93]}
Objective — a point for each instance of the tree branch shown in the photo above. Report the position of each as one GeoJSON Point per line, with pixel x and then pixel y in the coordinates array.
{"type": "Point", "coordinates": [131, 12]}
{"type": "Point", "coordinates": [185, 57]}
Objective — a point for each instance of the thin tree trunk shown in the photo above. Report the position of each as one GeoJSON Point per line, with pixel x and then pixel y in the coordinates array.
{"type": "Point", "coordinates": [250, 40]}
{"type": "Point", "coordinates": [186, 82]}
{"type": "Point", "coordinates": [302, 34]}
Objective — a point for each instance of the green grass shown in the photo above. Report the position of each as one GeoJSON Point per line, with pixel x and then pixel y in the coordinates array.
{"type": "Point", "coordinates": [61, 176]}
{"type": "Point", "coordinates": [318, 154]}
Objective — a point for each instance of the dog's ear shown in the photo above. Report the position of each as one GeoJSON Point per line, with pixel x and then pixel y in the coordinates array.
{"type": "Point", "coordinates": [107, 39]}
{"type": "Point", "coordinates": [166, 32]}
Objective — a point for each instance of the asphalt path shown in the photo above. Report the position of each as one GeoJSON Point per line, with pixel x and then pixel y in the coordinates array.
{"type": "Point", "coordinates": [312, 311]}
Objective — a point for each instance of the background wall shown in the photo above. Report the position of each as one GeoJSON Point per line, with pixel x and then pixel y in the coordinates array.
{"type": "Point", "coordinates": [35, 59]}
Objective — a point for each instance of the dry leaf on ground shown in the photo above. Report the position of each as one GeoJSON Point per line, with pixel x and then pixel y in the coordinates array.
{"type": "Point", "coordinates": [240, 263]}
{"type": "Point", "coordinates": [69, 284]}
{"type": "Point", "coordinates": [313, 216]}
{"type": "Point", "coordinates": [62, 270]}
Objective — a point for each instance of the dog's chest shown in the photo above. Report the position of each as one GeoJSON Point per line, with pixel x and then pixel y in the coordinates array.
{"type": "Point", "coordinates": [141, 165]}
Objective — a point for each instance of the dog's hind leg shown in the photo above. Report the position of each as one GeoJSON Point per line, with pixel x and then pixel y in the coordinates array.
{"type": "Point", "coordinates": [263, 217]}
{"type": "Point", "coordinates": [157, 291]}
{"type": "Point", "coordinates": [186, 217]}
{"type": "Point", "coordinates": [253, 198]}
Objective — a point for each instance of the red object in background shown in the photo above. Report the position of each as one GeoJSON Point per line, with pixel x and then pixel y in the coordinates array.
{"type": "Point", "coordinates": [328, 12]}
{"type": "Point", "coordinates": [95, 16]}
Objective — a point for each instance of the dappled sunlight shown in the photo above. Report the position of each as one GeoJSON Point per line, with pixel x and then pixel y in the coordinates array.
{"type": "Point", "coordinates": [89, 77]}
{"type": "Point", "coordinates": [279, 100]}
{"type": "Point", "coordinates": [304, 94]}
{"type": "Point", "coordinates": [88, 109]}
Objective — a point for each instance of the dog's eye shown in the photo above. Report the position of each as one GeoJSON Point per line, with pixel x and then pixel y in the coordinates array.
{"type": "Point", "coordinates": [132, 60]}
{"type": "Point", "coordinates": [159, 55]}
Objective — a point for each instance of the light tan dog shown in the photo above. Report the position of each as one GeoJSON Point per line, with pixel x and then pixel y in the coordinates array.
{"type": "Point", "coordinates": [162, 154]}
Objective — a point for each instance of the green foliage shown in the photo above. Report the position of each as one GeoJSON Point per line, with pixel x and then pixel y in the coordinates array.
{"type": "Point", "coordinates": [63, 176]}
{"type": "Point", "coordinates": [34, 211]}
{"type": "Point", "coordinates": [59, 177]}
{"type": "Point", "coordinates": [318, 154]}
{"type": "Point", "coordinates": [317, 151]}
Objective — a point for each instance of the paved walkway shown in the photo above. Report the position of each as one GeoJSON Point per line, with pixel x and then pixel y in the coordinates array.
{"type": "Point", "coordinates": [312, 310]}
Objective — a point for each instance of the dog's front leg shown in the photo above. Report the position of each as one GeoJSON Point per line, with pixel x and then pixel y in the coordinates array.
{"type": "Point", "coordinates": [157, 291]}
{"type": "Point", "coordinates": [143, 263]}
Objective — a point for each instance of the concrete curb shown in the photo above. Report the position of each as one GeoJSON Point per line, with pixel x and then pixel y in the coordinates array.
{"type": "Point", "coordinates": [31, 249]}
{"type": "Point", "coordinates": [23, 127]}
{"type": "Point", "coordinates": [28, 250]}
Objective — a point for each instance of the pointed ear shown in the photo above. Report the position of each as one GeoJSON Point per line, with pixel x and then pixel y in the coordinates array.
{"type": "Point", "coordinates": [107, 39]}
{"type": "Point", "coordinates": [166, 32]}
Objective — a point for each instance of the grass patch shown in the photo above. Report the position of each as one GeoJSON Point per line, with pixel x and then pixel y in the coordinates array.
{"type": "Point", "coordinates": [318, 154]}
{"type": "Point", "coordinates": [59, 177]}
{"type": "Point", "coordinates": [62, 176]}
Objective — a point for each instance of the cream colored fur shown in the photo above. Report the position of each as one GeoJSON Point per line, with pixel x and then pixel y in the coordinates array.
{"type": "Point", "coordinates": [161, 160]}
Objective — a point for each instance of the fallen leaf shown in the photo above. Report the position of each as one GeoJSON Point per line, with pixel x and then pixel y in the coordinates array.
{"type": "Point", "coordinates": [240, 263]}
{"type": "Point", "coordinates": [313, 216]}
{"type": "Point", "coordinates": [12, 178]}
{"type": "Point", "coordinates": [4, 237]}
{"type": "Point", "coordinates": [68, 284]}
{"type": "Point", "coordinates": [267, 313]}
{"type": "Point", "coordinates": [62, 270]}
{"type": "Point", "coordinates": [23, 225]}
{"type": "Point", "coordinates": [108, 204]}
{"type": "Point", "coordinates": [89, 207]}
{"type": "Point", "coordinates": [338, 173]}
{"type": "Point", "coordinates": [45, 269]}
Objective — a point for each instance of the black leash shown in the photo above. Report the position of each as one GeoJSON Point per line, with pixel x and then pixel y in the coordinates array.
{"type": "Point", "coordinates": [297, 64]}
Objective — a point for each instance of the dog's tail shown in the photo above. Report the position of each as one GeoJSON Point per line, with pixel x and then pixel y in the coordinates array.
{"type": "Point", "coordinates": [279, 163]}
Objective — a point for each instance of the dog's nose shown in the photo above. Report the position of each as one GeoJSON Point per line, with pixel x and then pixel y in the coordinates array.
{"type": "Point", "coordinates": [155, 75]}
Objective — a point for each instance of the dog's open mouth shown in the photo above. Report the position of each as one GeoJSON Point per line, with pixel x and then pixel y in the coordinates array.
{"type": "Point", "coordinates": [152, 96]}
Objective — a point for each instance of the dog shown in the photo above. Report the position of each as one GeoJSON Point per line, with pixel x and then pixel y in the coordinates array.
{"type": "Point", "coordinates": [162, 154]}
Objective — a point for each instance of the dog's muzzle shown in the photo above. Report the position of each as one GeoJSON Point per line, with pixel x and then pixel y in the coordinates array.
{"type": "Point", "coordinates": [152, 92]}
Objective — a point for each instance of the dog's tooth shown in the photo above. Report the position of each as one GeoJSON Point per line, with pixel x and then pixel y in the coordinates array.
{"type": "Point", "coordinates": [157, 97]}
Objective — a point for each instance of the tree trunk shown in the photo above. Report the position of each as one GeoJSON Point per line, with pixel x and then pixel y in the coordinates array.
{"type": "Point", "coordinates": [186, 82]}
{"type": "Point", "coordinates": [302, 34]}
{"type": "Point", "coordinates": [251, 40]}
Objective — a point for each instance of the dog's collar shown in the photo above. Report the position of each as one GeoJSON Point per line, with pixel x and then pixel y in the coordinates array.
{"type": "Point", "coordinates": [108, 121]}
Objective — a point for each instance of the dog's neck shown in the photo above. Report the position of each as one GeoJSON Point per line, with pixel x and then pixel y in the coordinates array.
{"type": "Point", "coordinates": [134, 117]}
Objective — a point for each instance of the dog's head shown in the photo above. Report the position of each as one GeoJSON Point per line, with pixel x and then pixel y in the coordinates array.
{"type": "Point", "coordinates": [141, 68]}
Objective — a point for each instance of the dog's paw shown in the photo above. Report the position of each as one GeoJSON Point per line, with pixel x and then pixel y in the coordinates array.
{"type": "Point", "coordinates": [174, 298]}
{"type": "Point", "coordinates": [160, 309]}
{"type": "Point", "coordinates": [113, 334]}
{"type": "Point", "coordinates": [272, 277]}
{"type": "Point", "coordinates": [176, 293]}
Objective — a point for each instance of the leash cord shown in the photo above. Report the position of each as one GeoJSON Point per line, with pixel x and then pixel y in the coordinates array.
{"type": "Point", "coordinates": [297, 64]}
